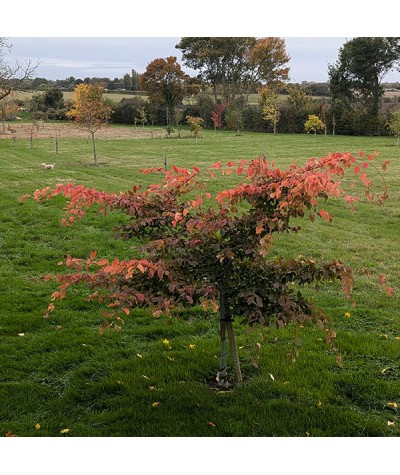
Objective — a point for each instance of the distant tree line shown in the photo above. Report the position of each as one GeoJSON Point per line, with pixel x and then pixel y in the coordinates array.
{"type": "Point", "coordinates": [128, 82]}
{"type": "Point", "coordinates": [230, 70]}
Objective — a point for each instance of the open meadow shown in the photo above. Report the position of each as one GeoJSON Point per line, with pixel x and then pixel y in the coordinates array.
{"type": "Point", "coordinates": [59, 377]}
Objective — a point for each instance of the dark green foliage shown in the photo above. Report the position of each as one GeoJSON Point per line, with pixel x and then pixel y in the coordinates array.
{"type": "Point", "coordinates": [127, 110]}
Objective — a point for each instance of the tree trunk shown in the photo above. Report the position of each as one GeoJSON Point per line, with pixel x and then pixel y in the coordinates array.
{"type": "Point", "coordinates": [226, 326]}
{"type": "Point", "coordinates": [94, 149]}
{"type": "Point", "coordinates": [234, 352]}
{"type": "Point", "coordinates": [222, 375]}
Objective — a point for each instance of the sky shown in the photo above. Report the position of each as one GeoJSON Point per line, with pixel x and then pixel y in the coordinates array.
{"type": "Point", "coordinates": [83, 39]}
{"type": "Point", "coordinates": [113, 57]}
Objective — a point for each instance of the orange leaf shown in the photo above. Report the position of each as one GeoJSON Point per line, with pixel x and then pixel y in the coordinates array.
{"type": "Point", "coordinates": [325, 215]}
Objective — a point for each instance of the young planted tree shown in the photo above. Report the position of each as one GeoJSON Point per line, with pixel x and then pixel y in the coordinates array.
{"type": "Point", "coordinates": [213, 250]}
{"type": "Point", "coordinates": [8, 108]}
{"type": "Point", "coordinates": [269, 101]}
{"type": "Point", "coordinates": [90, 110]}
{"type": "Point", "coordinates": [216, 115]}
{"type": "Point", "coordinates": [195, 125]}
{"type": "Point", "coordinates": [314, 124]}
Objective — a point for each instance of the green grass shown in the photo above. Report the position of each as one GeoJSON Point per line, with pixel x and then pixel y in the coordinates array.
{"type": "Point", "coordinates": [61, 374]}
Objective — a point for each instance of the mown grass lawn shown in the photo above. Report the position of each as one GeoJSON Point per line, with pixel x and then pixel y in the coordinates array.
{"type": "Point", "coordinates": [59, 373]}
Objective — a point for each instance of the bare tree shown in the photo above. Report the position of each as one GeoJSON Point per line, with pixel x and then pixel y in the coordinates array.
{"type": "Point", "coordinates": [12, 76]}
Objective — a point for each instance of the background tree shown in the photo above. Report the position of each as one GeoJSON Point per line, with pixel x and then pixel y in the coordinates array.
{"type": "Point", "coordinates": [268, 61]}
{"type": "Point", "coordinates": [12, 76]}
{"type": "Point", "coordinates": [314, 124]}
{"type": "Point", "coordinates": [269, 102]}
{"type": "Point", "coordinates": [199, 249]}
{"type": "Point", "coordinates": [195, 125]}
{"type": "Point", "coordinates": [90, 110]}
{"type": "Point", "coordinates": [8, 108]}
{"type": "Point", "coordinates": [216, 115]}
{"type": "Point", "coordinates": [394, 125]}
{"type": "Point", "coordinates": [298, 106]}
{"type": "Point", "coordinates": [135, 80]}
{"type": "Point", "coordinates": [357, 75]}
{"type": "Point", "coordinates": [231, 65]}
{"type": "Point", "coordinates": [164, 82]}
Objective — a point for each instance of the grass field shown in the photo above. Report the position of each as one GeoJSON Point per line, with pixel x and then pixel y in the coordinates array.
{"type": "Point", "coordinates": [58, 373]}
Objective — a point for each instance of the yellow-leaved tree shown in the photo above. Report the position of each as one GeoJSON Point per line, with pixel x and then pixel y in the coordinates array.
{"type": "Point", "coordinates": [269, 101]}
{"type": "Point", "coordinates": [313, 124]}
{"type": "Point", "coordinates": [90, 110]}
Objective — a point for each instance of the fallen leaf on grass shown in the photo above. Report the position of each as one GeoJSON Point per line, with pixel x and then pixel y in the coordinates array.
{"type": "Point", "coordinates": [38, 426]}
{"type": "Point", "coordinates": [145, 377]}
{"type": "Point", "coordinates": [391, 423]}
{"type": "Point", "coordinates": [138, 355]}
{"type": "Point", "coordinates": [271, 376]}
{"type": "Point", "coordinates": [155, 404]}
{"type": "Point", "coordinates": [64, 431]}
{"type": "Point", "coordinates": [120, 382]}
{"type": "Point", "coordinates": [392, 404]}
{"type": "Point", "coordinates": [10, 434]}
{"type": "Point", "coordinates": [21, 334]}
{"type": "Point", "coordinates": [384, 370]}
{"type": "Point", "coordinates": [211, 424]}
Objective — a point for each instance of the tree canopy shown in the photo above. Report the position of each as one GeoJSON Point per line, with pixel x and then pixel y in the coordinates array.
{"type": "Point", "coordinates": [13, 75]}
{"type": "Point", "coordinates": [89, 109]}
{"type": "Point", "coordinates": [358, 73]}
{"type": "Point", "coordinates": [232, 65]}
{"type": "Point", "coordinates": [210, 250]}
{"type": "Point", "coordinates": [164, 81]}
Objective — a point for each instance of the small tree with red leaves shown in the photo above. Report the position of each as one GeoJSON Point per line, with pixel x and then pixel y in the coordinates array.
{"type": "Point", "coordinates": [211, 251]}
{"type": "Point", "coordinates": [216, 115]}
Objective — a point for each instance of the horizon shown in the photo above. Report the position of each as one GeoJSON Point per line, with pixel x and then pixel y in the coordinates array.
{"type": "Point", "coordinates": [112, 57]}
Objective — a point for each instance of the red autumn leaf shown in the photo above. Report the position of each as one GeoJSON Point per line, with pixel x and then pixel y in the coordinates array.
{"type": "Point", "coordinates": [390, 291]}
{"type": "Point", "coordinates": [325, 215]}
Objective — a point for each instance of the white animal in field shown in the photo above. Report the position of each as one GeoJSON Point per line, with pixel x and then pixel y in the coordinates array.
{"type": "Point", "coordinates": [48, 166]}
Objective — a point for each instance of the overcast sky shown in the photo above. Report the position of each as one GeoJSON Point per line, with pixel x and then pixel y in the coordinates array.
{"type": "Point", "coordinates": [87, 39]}
{"type": "Point", "coordinates": [113, 57]}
